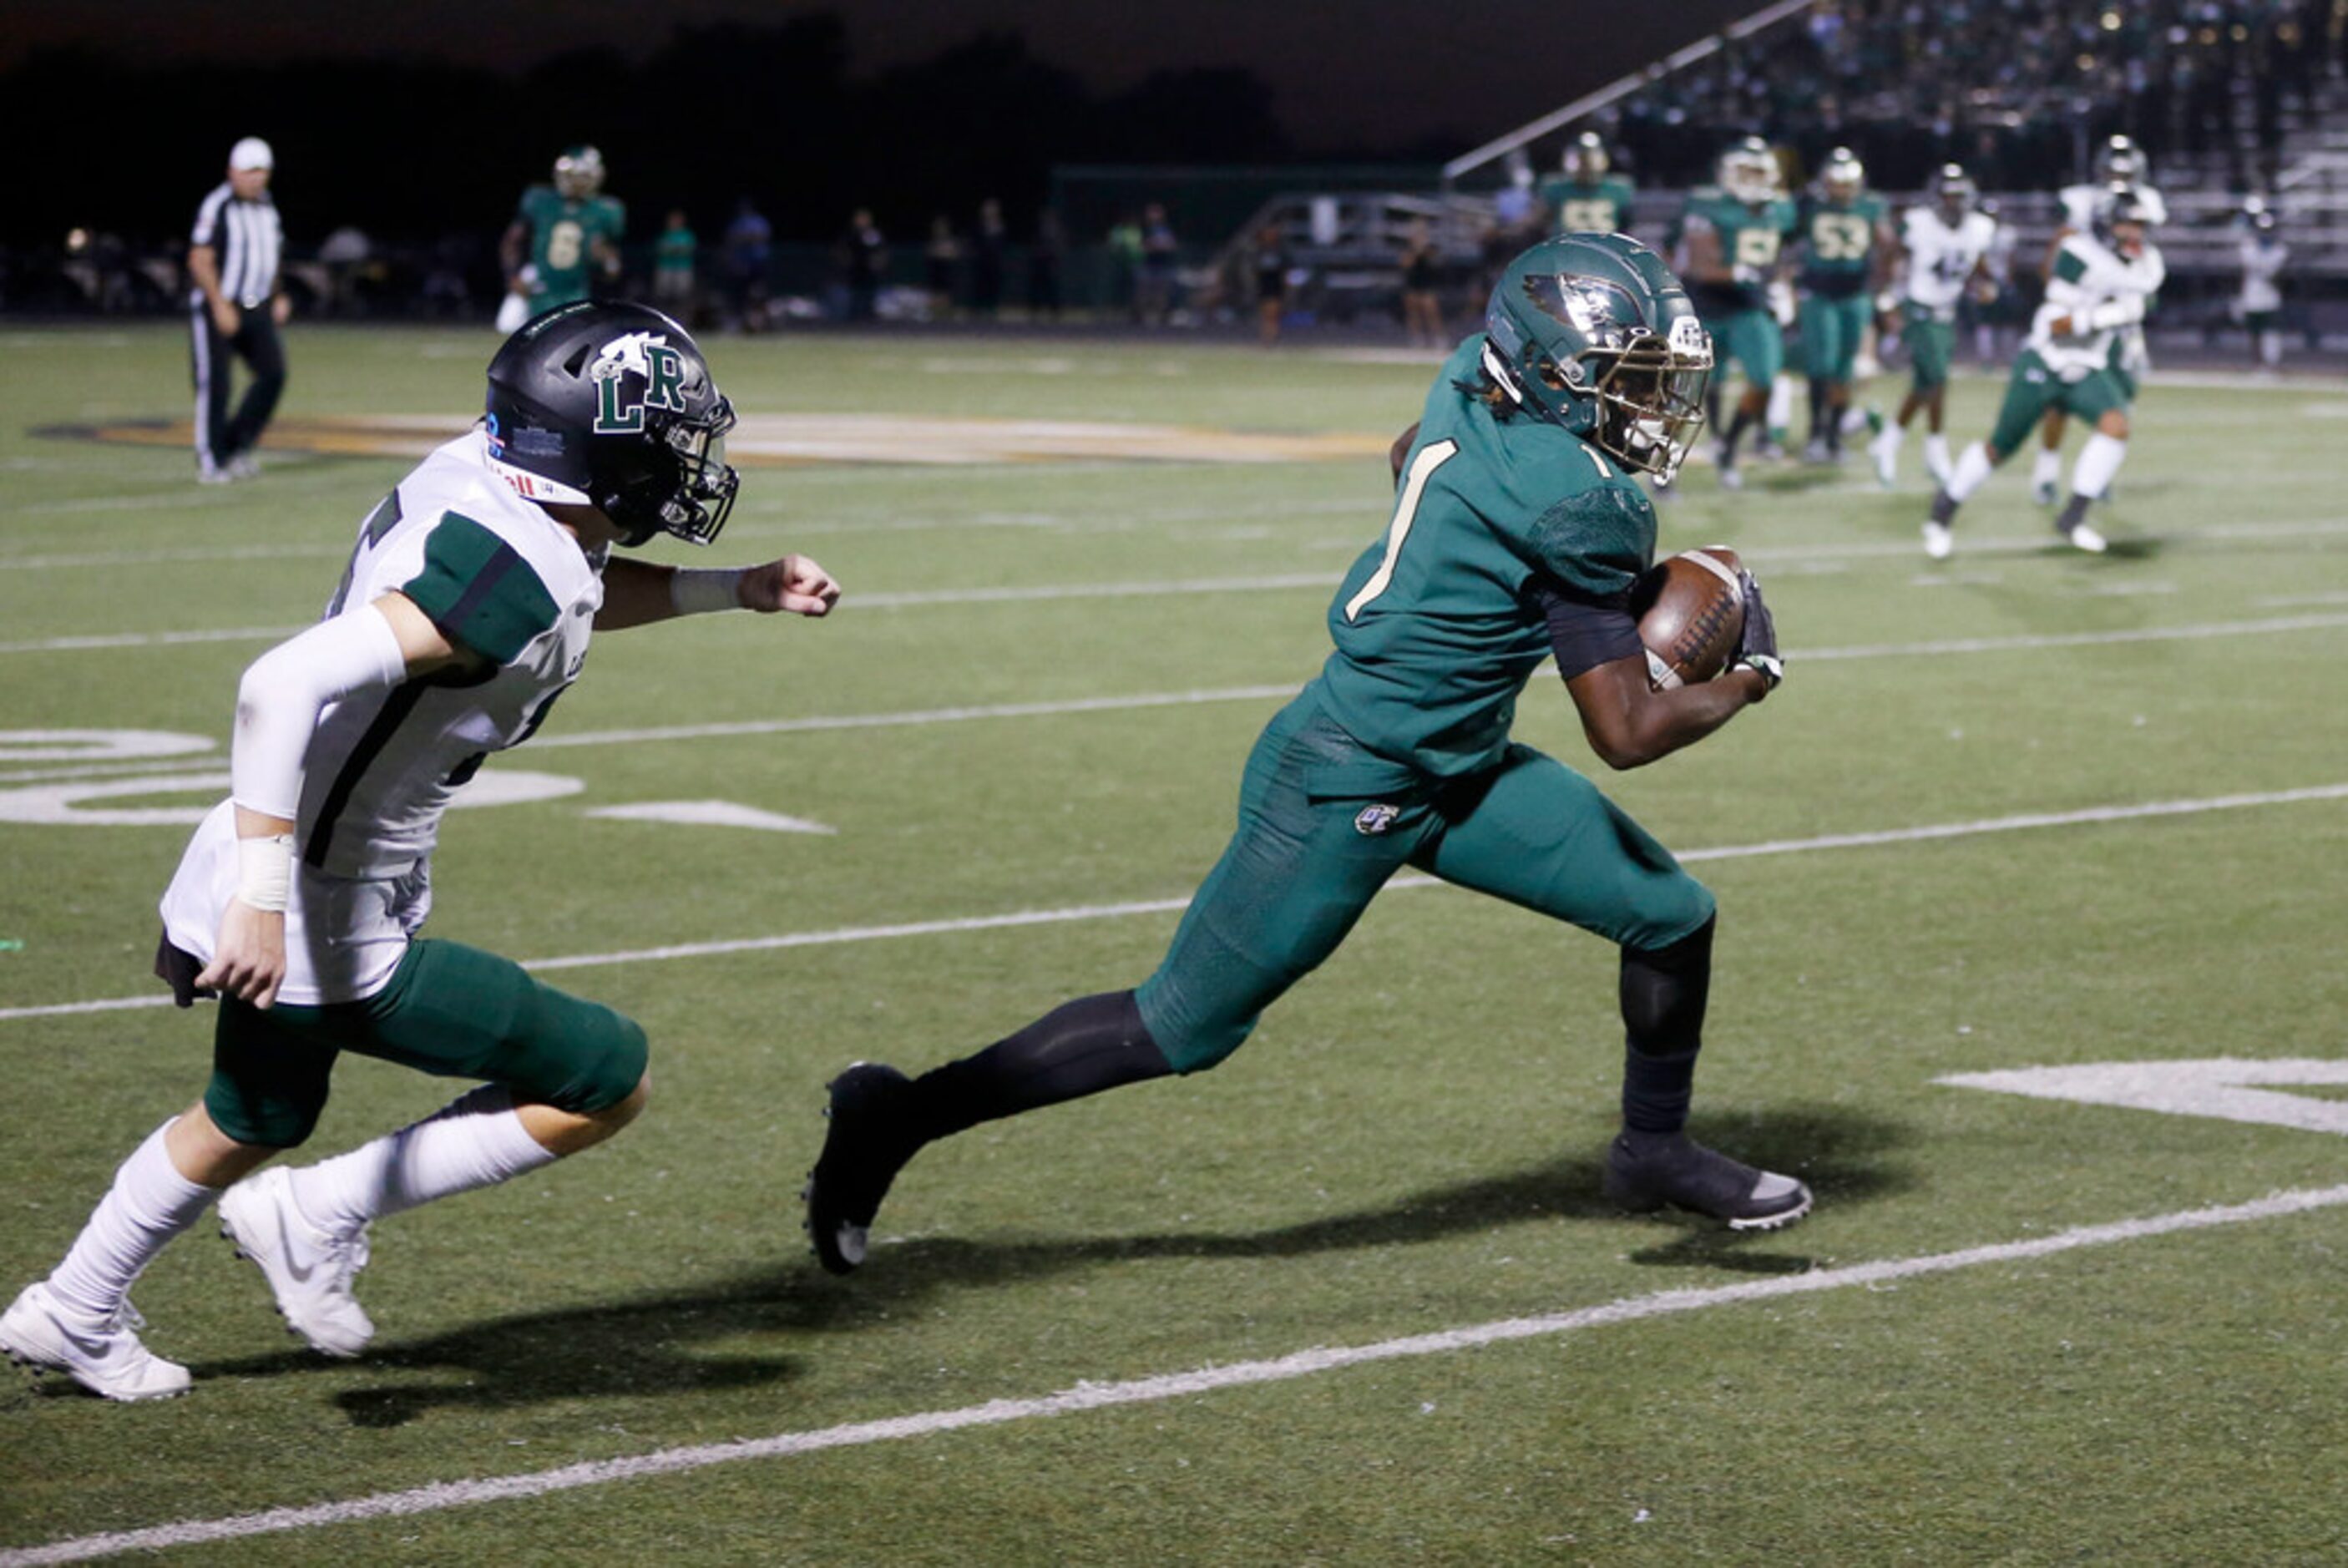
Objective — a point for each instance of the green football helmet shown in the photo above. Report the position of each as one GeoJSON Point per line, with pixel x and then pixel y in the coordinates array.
{"type": "Point", "coordinates": [1586, 159]}
{"type": "Point", "coordinates": [1844, 176]}
{"type": "Point", "coordinates": [579, 173]}
{"type": "Point", "coordinates": [1593, 333]}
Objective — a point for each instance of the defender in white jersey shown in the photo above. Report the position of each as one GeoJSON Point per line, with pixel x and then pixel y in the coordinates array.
{"type": "Point", "coordinates": [2119, 161]}
{"type": "Point", "coordinates": [464, 614]}
{"type": "Point", "coordinates": [1945, 252]}
{"type": "Point", "coordinates": [2101, 283]}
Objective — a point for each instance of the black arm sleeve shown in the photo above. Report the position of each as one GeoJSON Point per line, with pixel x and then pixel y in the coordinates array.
{"type": "Point", "coordinates": [1586, 630]}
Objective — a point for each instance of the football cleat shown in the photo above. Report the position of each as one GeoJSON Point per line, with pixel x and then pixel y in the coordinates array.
{"type": "Point", "coordinates": [2083, 536]}
{"type": "Point", "coordinates": [1816, 450]}
{"type": "Point", "coordinates": [103, 1355]}
{"type": "Point", "coordinates": [309, 1270]}
{"type": "Point", "coordinates": [1938, 541]}
{"type": "Point", "coordinates": [1885, 450]}
{"type": "Point", "coordinates": [861, 1155]}
{"type": "Point", "coordinates": [1647, 1171]}
{"type": "Point", "coordinates": [2044, 492]}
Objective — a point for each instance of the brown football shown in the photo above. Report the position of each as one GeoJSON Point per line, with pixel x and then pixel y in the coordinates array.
{"type": "Point", "coordinates": [1691, 613]}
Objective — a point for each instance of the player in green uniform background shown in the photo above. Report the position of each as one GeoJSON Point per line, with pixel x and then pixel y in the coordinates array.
{"type": "Point", "coordinates": [1733, 235]}
{"type": "Point", "coordinates": [1589, 199]}
{"type": "Point", "coordinates": [562, 236]}
{"type": "Point", "coordinates": [1846, 246]}
{"type": "Point", "coordinates": [1518, 529]}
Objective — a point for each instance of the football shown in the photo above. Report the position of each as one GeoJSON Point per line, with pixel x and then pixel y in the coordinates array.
{"type": "Point", "coordinates": [1691, 612]}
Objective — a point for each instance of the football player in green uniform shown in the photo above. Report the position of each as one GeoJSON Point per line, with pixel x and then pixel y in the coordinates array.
{"type": "Point", "coordinates": [1589, 199]}
{"type": "Point", "coordinates": [1734, 233]}
{"type": "Point", "coordinates": [1845, 247]}
{"type": "Point", "coordinates": [563, 237]}
{"type": "Point", "coordinates": [1518, 529]}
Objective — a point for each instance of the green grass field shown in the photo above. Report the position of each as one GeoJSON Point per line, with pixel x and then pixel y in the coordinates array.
{"type": "Point", "coordinates": [2016, 1330]}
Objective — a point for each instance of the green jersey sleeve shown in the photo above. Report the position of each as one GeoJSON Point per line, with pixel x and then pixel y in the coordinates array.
{"type": "Point", "coordinates": [479, 591]}
{"type": "Point", "coordinates": [1597, 539]}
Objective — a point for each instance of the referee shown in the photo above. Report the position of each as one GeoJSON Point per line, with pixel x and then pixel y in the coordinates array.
{"type": "Point", "coordinates": [235, 311]}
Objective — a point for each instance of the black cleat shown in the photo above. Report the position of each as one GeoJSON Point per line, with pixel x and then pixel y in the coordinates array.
{"type": "Point", "coordinates": [861, 1155]}
{"type": "Point", "coordinates": [1645, 1170]}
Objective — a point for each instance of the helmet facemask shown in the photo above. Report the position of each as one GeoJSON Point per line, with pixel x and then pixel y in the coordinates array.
{"type": "Point", "coordinates": [680, 486]}
{"type": "Point", "coordinates": [579, 173]}
{"type": "Point", "coordinates": [1649, 395]}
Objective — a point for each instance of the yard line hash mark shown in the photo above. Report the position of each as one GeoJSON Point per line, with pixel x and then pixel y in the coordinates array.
{"type": "Point", "coordinates": [1922, 834]}
{"type": "Point", "coordinates": [1088, 1396]}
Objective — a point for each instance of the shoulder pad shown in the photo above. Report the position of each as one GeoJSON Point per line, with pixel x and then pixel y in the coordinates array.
{"type": "Point", "coordinates": [1597, 538]}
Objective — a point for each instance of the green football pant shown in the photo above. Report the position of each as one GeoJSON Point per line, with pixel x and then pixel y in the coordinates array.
{"type": "Point", "coordinates": [1753, 339]}
{"type": "Point", "coordinates": [1323, 822]}
{"type": "Point", "coordinates": [2034, 389]}
{"type": "Point", "coordinates": [1832, 330]}
{"type": "Point", "coordinates": [449, 1010]}
{"type": "Point", "coordinates": [1931, 347]}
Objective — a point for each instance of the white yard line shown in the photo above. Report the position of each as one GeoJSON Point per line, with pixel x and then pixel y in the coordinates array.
{"type": "Point", "coordinates": [1191, 1385]}
{"type": "Point", "coordinates": [1923, 834]}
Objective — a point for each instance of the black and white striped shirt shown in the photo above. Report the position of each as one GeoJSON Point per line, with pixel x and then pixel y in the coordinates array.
{"type": "Point", "coordinates": [246, 238]}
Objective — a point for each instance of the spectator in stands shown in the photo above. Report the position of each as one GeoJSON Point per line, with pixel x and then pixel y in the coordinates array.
{"type": "Point", "coordinates": [986, 244]}
{"type": "Point", "coordinates": [863, 257]}
{"type": "Point", "coordinates": [1272, 261]}
{"type": "Point", "coordinates": [749, 246]}
{"type": "Point", "coordinates": [1159, 251]}
{"type": "Point", "coordinates": [941, 259]}
{"type": "Point", "coordinates": [1422, 311]}
{"type": "Point", "coordinates": [1044, 261]}
{"type": "Point", "coordinates": [672, 267]}
{"type": "Point", "coordinates": [1125, 266]}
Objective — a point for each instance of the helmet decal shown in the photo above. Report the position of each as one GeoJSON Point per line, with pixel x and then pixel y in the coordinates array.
{"type": "Point", "coordinates": [662, 369]}
{"type": "Point", "coordinates": [1600, 311]}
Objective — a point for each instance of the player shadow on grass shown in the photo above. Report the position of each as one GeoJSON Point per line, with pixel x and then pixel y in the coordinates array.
{"type": "Point", "coordinates": [628, 1349]}
{"type": "Point", "coordinates": [1838, 1153]}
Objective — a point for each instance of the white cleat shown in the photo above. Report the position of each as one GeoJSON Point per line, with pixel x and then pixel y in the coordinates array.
{"type": "Point", "coordinates": [104, 1355]}
{"type": "Point", "coordinates": [1938, 541]}
{"type": "Point", "coordinates": [309, 1270]}
{"type": "Point", "coordinates": [2083, 536]}
{"type": "Point", "coordinates": [2044, 492]}
{"type": "Point", "coordinates": [1887, 459]}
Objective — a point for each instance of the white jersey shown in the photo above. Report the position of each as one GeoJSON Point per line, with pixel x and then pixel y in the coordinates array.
{"type": "Point", "coordinates": [2262, 263]}
{"type": "Point", "coordinates": [2079, 205]}
{"type": "Point", "coordinates": [495, 575]}
{"type": "Point", "coordinates": [2085, 276]}
{"type": "Point", "coordinates": [1941, 258]}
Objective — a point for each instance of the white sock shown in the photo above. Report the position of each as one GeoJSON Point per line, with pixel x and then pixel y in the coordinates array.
{"type": "Point", "coordinates": [149, 1204]}
{"type": "Point", "coordinates": [2271, 349]}
{"type": "Point", "coordinates": [1972, 468]}
{"type": "Point", "coordinates": [1781, 402]}
{"type": "Point", "coordinates": [2099, 459]}
{"type": "Point", "coordinates": [2048, 469]}
{"type": "Point", "coordinates": [475, 1140]}
{"type": "Point", "coordinates": [1892, 437]}
{"type": "Point", "coordinates": [1936, 452]}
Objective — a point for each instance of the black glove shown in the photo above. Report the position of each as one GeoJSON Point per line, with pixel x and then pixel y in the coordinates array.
{"type": "Point", "coordinates": [1757, 649]}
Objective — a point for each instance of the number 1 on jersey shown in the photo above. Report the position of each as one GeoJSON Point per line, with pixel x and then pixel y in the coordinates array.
{"type": "Point", "coordinates": [1422, 469]}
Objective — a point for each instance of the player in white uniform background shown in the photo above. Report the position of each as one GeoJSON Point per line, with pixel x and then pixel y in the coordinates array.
{"type": "Point", "coordinates": [2101, 283]}
{"type": "Point", "coordinates": [2264, 256]}
{"type": "Point", "coordinates": [464, 612]}
{"type": "Point", "coordinates": [2119, 161]}
{"type": "Point", "coordinates": [1945, 249]}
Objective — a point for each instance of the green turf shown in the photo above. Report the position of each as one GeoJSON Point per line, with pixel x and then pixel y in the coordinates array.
{"type": "Point", "coordinates": [1408, 1143]}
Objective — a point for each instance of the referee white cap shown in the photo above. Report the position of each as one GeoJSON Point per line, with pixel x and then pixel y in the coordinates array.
{"type": "Point", "coordinates": [251, 153]}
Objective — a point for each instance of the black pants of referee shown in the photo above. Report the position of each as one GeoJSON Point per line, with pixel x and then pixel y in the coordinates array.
{"type": "Point", "coordinates": [220, 435]}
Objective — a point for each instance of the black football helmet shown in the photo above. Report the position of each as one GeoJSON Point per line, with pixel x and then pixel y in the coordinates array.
{"type": "Point", "coordinates": [611, 406]}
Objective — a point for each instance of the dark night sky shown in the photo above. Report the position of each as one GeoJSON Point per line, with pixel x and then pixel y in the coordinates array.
{"type": "Point", "coordinates": [1364, 73]}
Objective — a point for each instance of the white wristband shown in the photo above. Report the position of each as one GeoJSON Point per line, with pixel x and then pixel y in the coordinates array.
{"type": "Point", "coordinates": [697, 589]}
{"type": "Point", "coordinates": [266, 872]}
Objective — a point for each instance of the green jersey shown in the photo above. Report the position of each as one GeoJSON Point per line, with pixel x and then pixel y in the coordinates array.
{"type": "Point", "coordinates": [1838, 245]}
{"type": "Point", "coordinates": [563, 240]}
{"type": "Point", "coordinates": [1750, 239]}
{"type": "Point", "coordinates": [1437, 626]}
{"type": "Point", "coordinates": [1602, 208]}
